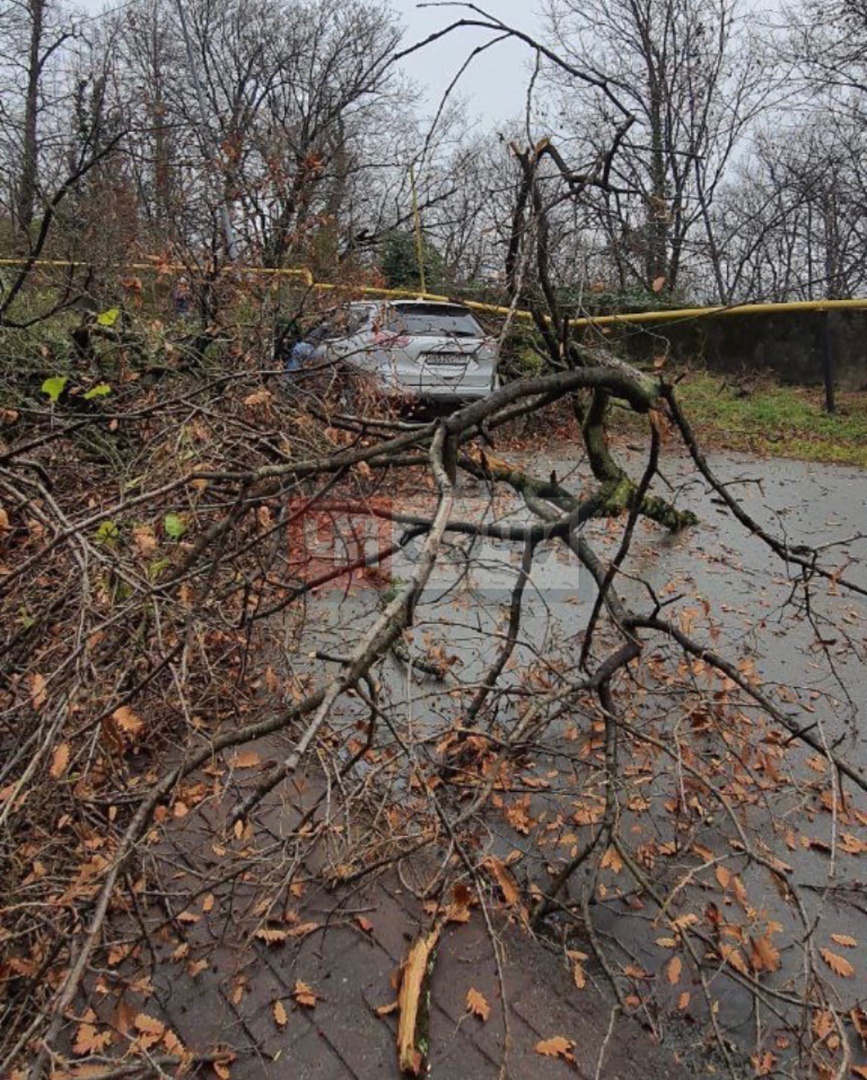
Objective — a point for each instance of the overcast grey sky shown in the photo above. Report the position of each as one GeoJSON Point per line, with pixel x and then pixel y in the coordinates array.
{"type": "Point", "coordinates": [495, 84]}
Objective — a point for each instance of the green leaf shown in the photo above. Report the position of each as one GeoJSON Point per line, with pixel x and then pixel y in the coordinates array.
{"type": "Point", "coordinates": [54, 387]}
{"type": "Point", "coordinates": [108, 318]}
{"type": "Point", "coordinates": [157, 567]}
{"type": "Point", "coordinates": [174, 527]}
{"type": "Point", "coordinates": [100, 390]}
{"type": "Point", "coordinates": [107, 533]}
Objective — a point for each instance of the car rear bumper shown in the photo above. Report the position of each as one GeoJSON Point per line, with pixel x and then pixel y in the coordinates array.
{"type": "Point", "coordinates": [451, 393]}
{"type": "Point", "coordinates": [470, 388]}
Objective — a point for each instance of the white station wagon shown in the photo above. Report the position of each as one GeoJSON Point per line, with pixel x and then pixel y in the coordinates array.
{"type": "Point", "coordinates": [428, 350]}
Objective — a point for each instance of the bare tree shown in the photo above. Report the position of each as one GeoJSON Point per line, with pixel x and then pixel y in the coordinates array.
{"type": "Point", "coordinates": [792, 225]}
{"type": "Point", "coordinates": [694, 80]}
{"type": "Point", "coordinates": [826, 43]}
{"type": "Point", "coordinates": [32, 34]}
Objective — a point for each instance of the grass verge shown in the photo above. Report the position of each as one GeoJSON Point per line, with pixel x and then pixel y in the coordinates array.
{"type": "Point", "coordinates": [782, 421]}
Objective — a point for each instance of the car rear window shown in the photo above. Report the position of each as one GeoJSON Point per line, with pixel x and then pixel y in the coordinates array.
{"type": "Point", "coordinates": [433, 320]}
{"type": "Point", "coordinates": [340, 324]}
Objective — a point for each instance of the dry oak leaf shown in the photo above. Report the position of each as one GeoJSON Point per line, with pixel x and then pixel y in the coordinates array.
{"type": "Point", "coordinates": [740, 893]}
{"type": "Point", "coordinates": [505, 879]}
{"type": "Point", "coordinates": [281, 1018]}
{"type": "Point", "coordinates": [860, 1070]}
{"type": "Point", "coordinates": [174, 1045]}
{"type": "Point", "coordinates": [518, 815]}
{"type": "Point", "coordinates": [150, 1030]}
{"type": "Point", "coordinates": [38, 693]}
{"type": "Point", "coordinates": [852, 845]}
{"type": "Point", "coordinates": [59, 761]}
{"type": "Point", "coordinates": [823, 1024]}
{"type": "Point", "coordinates": [271, 935]}
{"type": "Point", "coordinates": [763, 955]}
{"type": "Point", "coordinates": [88, 1040]}
{"type": "Point", "coordinates": [477, 1005]}
{"type": "Point", "coordinates": [556, 1047]}
{"type": "Point", "coordinates": [734, 957]}
{"type": "Point", "coordinates": [682, 922]}
{"type": "Point", "coordinates": [844, 939]}
{"type": "Point", "coordinates": [149, 1025]}
{"type": "Point", "coordinates": [634, 971]}
{"type": "Point", "coordinates": [246, 759]}
{"type": "Point", "coordinates": [127, 722]}
{"type": "Point", "coordinates": [224, 1057]}
{"type": "Point", "coordinates": [838, 964]}
{"type": "Point", "coordinates": [304, 995]}
{"type": "Point", "coordinates": [259, 397]}
{"type": "Point", "coordinates": [303, 929]}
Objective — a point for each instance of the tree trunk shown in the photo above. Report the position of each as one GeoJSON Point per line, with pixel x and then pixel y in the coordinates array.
{"type": "Point", "coordinates": [30, 150]}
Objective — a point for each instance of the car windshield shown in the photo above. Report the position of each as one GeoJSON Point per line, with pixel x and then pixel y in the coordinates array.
{"type": "Point", "coordinates": [434, 320]}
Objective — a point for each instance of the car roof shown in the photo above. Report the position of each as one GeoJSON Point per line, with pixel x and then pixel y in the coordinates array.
{"type": "Point", "coordinates": [452, 305]}
{"type": "Point", "coordinates": [421, 302]}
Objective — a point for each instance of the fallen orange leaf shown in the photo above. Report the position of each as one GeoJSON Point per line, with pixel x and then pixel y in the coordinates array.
{"type": "Point", "coordinates": [838, 964]}
{"type": "Point", "coordinates": [504, 878]}
{"type": "Point", "coordinates": [556, 1047]}
{"type": "Point", "coordinates": [477, 1005]}
{"type": "Point", "coordinates": [271, 935]}
{"type": "Point", "coordinates": [247, 759]}
{"type": "Point", "coordinates": [126, 721]}
{"type": "Point", "coordinates": [59, 761]}
{"type": "Point", "coordinates": [304, 995]}
{"type": "Point", "coordinates": [844, 939]}
{"type": "Point", "coordinates": [38, 693]}
{"type": "Point", "coordinates": [763, 955]}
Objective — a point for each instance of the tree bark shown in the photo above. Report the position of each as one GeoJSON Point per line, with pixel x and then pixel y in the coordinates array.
{"type": "Point", "coordinates": [30, 148]}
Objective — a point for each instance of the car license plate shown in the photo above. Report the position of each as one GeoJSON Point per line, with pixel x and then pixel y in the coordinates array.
{"type": "Point", "coordinates": [446, 359]}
